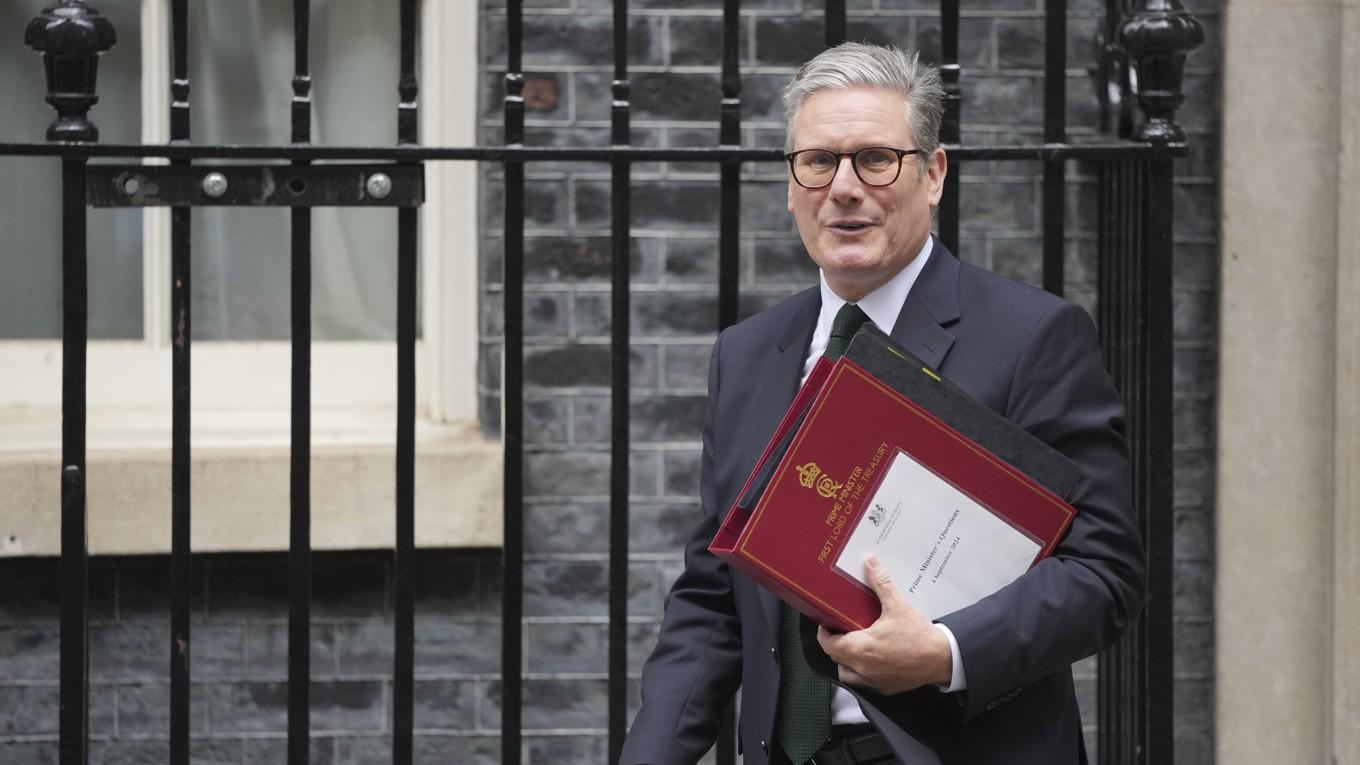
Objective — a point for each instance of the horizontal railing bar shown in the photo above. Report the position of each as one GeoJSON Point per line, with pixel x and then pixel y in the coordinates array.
{"type": "Point", "coordinates": [344, 185]}
{"type": "Point", "coordinates": [1035, 152]}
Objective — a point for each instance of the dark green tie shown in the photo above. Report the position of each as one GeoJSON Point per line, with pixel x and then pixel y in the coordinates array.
{"type": "Point", "coordinates": [847, 322]}
{"type": "Point", "coordinates": [804, 721]}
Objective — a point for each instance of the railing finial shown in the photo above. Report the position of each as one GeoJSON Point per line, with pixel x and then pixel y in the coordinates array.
{"type": "Point", "coordinates": [1158, 36]}
{"type": "Point", "coordinates": [71, 36]}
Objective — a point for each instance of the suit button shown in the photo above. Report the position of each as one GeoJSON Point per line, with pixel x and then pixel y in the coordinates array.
{"type": "Point", "coordinates": [764, 746]}
{"type": "Point", "coordinates": [774, 654]}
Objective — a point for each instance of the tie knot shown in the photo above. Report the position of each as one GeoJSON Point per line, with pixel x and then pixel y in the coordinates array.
{"type": "Point", "coordinates": [847, 322]}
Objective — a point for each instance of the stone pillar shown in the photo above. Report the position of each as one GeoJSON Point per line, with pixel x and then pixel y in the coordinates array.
{"type": "Point", "coordinates": [1289, 412]}
{"type": "Point", "coordinates": [1344, 734]}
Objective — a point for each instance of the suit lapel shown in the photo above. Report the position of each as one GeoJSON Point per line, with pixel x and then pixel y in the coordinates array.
{"type": "Point", "coordinates": [778, 385]}
{"type": "Point", "coordinates": [932, 304]}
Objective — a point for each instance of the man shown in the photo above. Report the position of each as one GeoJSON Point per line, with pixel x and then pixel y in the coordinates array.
{"type": "Point", "coordinates": [990, 683]}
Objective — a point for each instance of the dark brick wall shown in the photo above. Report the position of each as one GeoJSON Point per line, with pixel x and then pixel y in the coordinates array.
{"type": "Point", "coordinates": [674, 70]}
{"type": "Point", "coordinates": [239, 645]}
{"type": "Point", "coordinates": [1196, 362]}
{"type": "Point", "coordinates": [240, 610]}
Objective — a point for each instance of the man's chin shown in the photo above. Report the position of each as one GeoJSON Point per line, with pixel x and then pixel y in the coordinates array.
{"type": "Point", "coordinates": [851, 260]}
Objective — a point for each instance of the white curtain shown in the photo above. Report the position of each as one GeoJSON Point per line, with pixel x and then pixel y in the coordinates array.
{"type": "Point", "coordinates": [30, 188]}
{"type": "Point", "coordinates": [241, 69]}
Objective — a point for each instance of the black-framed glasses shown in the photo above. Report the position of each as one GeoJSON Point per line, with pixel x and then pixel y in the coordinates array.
{"type": "Point", "coordinates": [875, 165]}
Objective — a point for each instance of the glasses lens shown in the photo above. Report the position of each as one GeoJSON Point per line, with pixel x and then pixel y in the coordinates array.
{"type": "Point", "coordinates": [814, 167]}
{"type": "Point", "coordinates": [877, 166]}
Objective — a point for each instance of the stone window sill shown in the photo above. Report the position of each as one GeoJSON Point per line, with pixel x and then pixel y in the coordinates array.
{"type": "Point", "coordinates": [239, 480]}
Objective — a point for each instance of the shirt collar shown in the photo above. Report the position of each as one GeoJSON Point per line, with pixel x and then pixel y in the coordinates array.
{"type": "Point", "coordinates": [883, 304]}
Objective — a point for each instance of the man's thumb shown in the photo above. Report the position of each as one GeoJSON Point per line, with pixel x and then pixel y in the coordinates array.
{"type": "Point", "coordinates": [881, 581]}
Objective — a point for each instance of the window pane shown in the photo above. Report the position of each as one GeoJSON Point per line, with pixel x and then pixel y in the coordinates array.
{"type": "Point", "coordinates": [30, 188]}
{"type": "Point", "coordinates": [241, 59]}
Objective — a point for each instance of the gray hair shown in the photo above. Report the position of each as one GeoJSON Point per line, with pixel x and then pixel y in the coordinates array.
{"type": "Point", "coordinates": [851, 65]}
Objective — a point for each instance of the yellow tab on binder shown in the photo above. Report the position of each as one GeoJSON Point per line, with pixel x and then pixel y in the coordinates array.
{"type": "Point", "coordinates": [932, 374]}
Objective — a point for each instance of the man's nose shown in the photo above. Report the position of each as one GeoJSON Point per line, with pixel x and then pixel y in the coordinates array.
{"type": "Point", "coordinates": [846, 187]}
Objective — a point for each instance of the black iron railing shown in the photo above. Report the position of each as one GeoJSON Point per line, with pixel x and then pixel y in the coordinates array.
{"type": "Point", "coordinates": [1134, 283]}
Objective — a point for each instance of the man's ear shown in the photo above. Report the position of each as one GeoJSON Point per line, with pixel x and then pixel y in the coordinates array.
{"type": "Point", "coordinates": [936, 169]}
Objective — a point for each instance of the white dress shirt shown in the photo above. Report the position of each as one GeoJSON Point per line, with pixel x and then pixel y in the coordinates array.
{"type": "Point", "coordinates": [882, 307]}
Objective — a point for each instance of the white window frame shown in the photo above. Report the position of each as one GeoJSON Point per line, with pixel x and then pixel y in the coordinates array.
{"type": "Point", "coordinates": [354, 383]}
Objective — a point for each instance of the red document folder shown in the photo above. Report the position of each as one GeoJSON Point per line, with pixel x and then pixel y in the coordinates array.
{"type": "Point", "coordinates": [812, 485]}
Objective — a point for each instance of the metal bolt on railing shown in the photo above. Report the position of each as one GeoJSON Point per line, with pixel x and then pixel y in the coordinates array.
{"type": "Point", "coordinates": [214, 185]}
{"type": "Point", "coordinates": [379, 185]}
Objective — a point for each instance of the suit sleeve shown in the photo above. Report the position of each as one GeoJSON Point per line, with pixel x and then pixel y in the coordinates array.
{"type": "Point", "coordinates": [1085, 595]}
{"type": "Point", "coordinates": [695, 668]}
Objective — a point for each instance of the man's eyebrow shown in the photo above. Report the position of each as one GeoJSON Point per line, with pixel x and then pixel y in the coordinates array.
{"type": "Point", "coordinates": [855, 147]}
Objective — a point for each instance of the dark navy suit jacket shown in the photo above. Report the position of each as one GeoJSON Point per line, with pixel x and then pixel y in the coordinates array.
{"type": "Point", "coordinates": [1030, 356]}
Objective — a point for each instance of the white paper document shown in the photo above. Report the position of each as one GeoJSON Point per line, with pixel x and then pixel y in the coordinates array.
{"type": "Point", "coordinates": [943, 550]}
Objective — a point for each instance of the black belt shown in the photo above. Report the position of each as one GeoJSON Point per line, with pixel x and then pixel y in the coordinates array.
{"type": "Point", "coordinates": [857, 745]}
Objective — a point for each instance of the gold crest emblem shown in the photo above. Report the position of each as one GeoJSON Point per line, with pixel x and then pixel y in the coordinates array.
{"type": "Point", "coordinates": [807, 474]}
{"type": "Point", "coordinates": [811, 477]}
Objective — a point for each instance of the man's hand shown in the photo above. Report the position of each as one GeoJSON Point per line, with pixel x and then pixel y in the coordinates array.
{"type": "Point", "coordinates": [899, 652]}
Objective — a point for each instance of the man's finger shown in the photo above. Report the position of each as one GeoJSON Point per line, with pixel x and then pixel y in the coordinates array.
{"type": "Point", "coordinates": [841, 648]}
{"type": "Point", "coordinates": [829, 641]}
{"type": "Point", "coordinates": [849, 676]}
{"type": "Point", "coordinates": [881, 582]}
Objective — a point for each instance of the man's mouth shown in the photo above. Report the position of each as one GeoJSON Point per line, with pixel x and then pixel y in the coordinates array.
{"type": "Point", "coordinates": [848, 227]}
